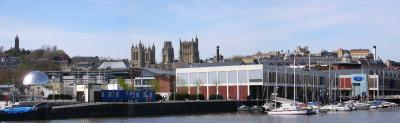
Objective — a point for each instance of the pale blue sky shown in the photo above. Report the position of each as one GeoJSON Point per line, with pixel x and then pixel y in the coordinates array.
{"type": "Point", "coordinates": [109, 27]}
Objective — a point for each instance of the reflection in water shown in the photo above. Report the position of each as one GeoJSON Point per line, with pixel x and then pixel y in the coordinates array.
{"type": "Point", "coordinates": [372, 116]}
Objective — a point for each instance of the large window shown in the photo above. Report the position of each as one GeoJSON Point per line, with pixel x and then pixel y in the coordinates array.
{"type": "Point", "coordinates": [212, 78]}
{"type": "Point", "coordinates": [146, 82]}
{"type": "Point", "coordinates": [202, 78]}
{"type": "Point", "coordinates": [222, 77]}
{"type": "Point", "coordinates": [181, 80]}
{"type": "Point", "coordinates": [192, 78]}
{"type": "Point", "coordinates": [255, 75]}
{"type": "Point", "coordinates": [232, 77]}
{"type": "Point", "coordinates": [242, 76]}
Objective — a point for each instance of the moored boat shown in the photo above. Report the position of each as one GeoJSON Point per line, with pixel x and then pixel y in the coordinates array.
{"type": "Point", "coordinates": [361, 106]}
{"type": "Point", "coordinates": [243, 108]}
{"type": "Point", "coordinates": [290, 109]}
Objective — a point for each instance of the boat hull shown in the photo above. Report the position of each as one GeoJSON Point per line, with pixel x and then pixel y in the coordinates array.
{"type": "Point", "coordinates": [290, 112]}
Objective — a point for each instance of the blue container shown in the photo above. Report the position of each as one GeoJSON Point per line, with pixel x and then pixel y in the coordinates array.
{"type": "Point", "coordinates": [124, 96]}
{"type": "Point", "coordinates": [113, 96]}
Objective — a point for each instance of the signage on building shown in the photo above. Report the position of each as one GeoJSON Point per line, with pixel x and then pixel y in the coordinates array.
{"type": "Point", "coordinates": [359, 85]}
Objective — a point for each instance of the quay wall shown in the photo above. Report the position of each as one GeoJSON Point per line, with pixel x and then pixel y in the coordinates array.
{"type": "Point", "coordinates": [87, 110]}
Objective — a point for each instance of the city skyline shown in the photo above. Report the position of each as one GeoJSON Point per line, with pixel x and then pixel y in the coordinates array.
{"type": "Point", "coordinates": [109, 28]}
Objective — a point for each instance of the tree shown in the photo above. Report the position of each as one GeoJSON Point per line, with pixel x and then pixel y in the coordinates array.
{"type": "Point", "coordinates": [155, 85]}
{"type": "Point", "coordinates": [198, 82]}
{"type": "Point", "coordinates": [121, 82]}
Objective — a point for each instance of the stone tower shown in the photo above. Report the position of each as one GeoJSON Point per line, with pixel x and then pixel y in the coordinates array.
{"type": "Point", "coordinates": [189, 51]}
{"type": "Point", "coordinates": [16, 43]}
{"type": "Point", "coordinates": [142, 56]}
{"type": "Point", "coordinates": [167, 53]}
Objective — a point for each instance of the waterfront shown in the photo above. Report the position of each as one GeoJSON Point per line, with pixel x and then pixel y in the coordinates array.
{"type": "Point", "coordinates": [389, 115]}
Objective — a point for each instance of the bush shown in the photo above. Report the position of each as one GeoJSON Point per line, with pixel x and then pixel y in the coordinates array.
{"type": "Point", "coordinates": [59, 97]}
{"type": "Point", "coordinates": [181, 96]}
{"type": "Point", "coordinates": [158, 97]}
{"type": "Point", "coordinates": [216, 97]}
{"type": "Point", "coordinates": [197, 97]}
{"type": "Point", "coordinates": [178, 96]}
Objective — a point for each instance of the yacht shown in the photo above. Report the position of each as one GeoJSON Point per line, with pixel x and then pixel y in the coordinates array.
{"type": "Point", "coordinates": [268, 106]}
{"type": "Point", "coordinates": [288, 108]}
{"type": "Point", "coordinates": [255, 108]}
{"type": "Point", "coordinates": [338, 107]}
{"type": "Point", "coordinates": [362, 106]}
{"type": "Point", "coordinates": [344, 107]}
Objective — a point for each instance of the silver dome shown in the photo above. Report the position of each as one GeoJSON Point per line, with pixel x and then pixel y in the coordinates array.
{"type": "Point", "coordinates": [36, 78]}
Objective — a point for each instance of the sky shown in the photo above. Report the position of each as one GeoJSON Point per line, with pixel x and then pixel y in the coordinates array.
{"type": "Point", "coordinates": [108, 28]}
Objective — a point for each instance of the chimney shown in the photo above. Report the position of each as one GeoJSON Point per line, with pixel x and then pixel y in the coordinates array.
{"type": "Point", "coordinates": [374, 52]}
{"type": "Point", "coordinates": [217, 53]}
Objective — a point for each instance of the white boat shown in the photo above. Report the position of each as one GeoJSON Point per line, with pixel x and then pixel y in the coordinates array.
{"type": "Point", "coordinates": [385, 104]}
{"type": "Point", "coordinates": [344, 107]}
{"type": "Point", "coordinates": [338, 107]}
{"type": "Point", "coordinates": [243, 108]}
{"type": "Point", "coordinates": [268, 106]}
{"type": "Point", "coordinates": [290, 109]}
{"type": "Point", "coordinates": [255, 108]}
{"type": "Point", "coordinates": [393, 104]}
{"type": "Point", "coordinates": [361, 106]}
{"type": "Point", "coordinates": [329, 107]}
{"type": "Point", "coordinates": [373, 107]}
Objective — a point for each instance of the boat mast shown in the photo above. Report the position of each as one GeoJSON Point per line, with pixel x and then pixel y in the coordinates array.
{"type": "Point", "coordinates": [330, 84]}
{"type": "Point", "coordinates": [294, 79]}
{"type": "Point", "coordinates": [340, 91]}
{"type": "Point", "coordinates": [285, 83]}
{"type": "Point", "coordinates": [276, 86]}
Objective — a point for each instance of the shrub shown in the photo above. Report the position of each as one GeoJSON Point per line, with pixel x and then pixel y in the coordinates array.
{"type": "Point", "coordinates": [181, 96]}
{"type": "Point", "coordinates": [59, 97]}
{"type": "Point", "coordinates": [158, 97]}
{"type": "Point", "coordinates": [216, 97]}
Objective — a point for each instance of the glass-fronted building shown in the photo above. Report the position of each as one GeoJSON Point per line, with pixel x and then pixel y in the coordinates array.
{"type": "Point", "coordinates": [229, 81]}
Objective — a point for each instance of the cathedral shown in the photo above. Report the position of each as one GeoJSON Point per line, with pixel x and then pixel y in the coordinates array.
{"type": "Point", "coordinates": [189, 51]}
{"type": "Point", "coordinates": [167, 53]}
{"type": "Point", "coordinates": [142, 56]}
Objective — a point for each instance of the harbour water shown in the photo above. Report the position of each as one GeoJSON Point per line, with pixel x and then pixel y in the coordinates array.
{"type": "Point", "coordinates": [389, 115]}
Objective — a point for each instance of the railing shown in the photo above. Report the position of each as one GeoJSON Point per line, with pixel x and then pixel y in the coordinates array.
{"type": "Point", "coordinates": [389, 97]}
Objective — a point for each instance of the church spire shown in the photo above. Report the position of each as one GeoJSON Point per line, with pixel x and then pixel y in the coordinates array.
{"type": "Point", "coordinates": [196, 39]}
{"type": "Point", "coordinates": [16, 43]}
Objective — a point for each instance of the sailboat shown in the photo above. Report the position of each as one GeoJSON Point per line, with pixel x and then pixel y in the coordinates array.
{"type": "Point", "coordinates": [289, 107]}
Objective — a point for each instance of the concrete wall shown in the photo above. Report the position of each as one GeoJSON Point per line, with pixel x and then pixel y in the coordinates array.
{"type": "Point", "coordinates": [133, 109]}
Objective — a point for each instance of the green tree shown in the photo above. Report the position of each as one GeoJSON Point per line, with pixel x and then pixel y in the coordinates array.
{"type": "Point", "coordinates": [121, 82]}
{"type": "Point", "coordinates": [155, 85]}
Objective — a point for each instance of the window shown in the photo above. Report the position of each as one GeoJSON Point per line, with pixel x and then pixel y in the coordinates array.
{"type": "Point", "coordinates": [222, 77]}
{"type": "Point", "coordinates": [192, 78]}
{"type": "Point", "coordinates": [232, 77]}
{"type": "Point", "coordinates": [212, 78]}
{"type": "Point", "coordinates": [137, 82]}
{"type": "Point", "coordinates": [202, 78]}
{"type": "Point", "coordinates": [242, 76]}
{"type": "Point", "coordinates": [255, 75]}
{"type": "Point", "coordinates": [181, 79]}
{"type": "Point", "coordinates": [146, 82]}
